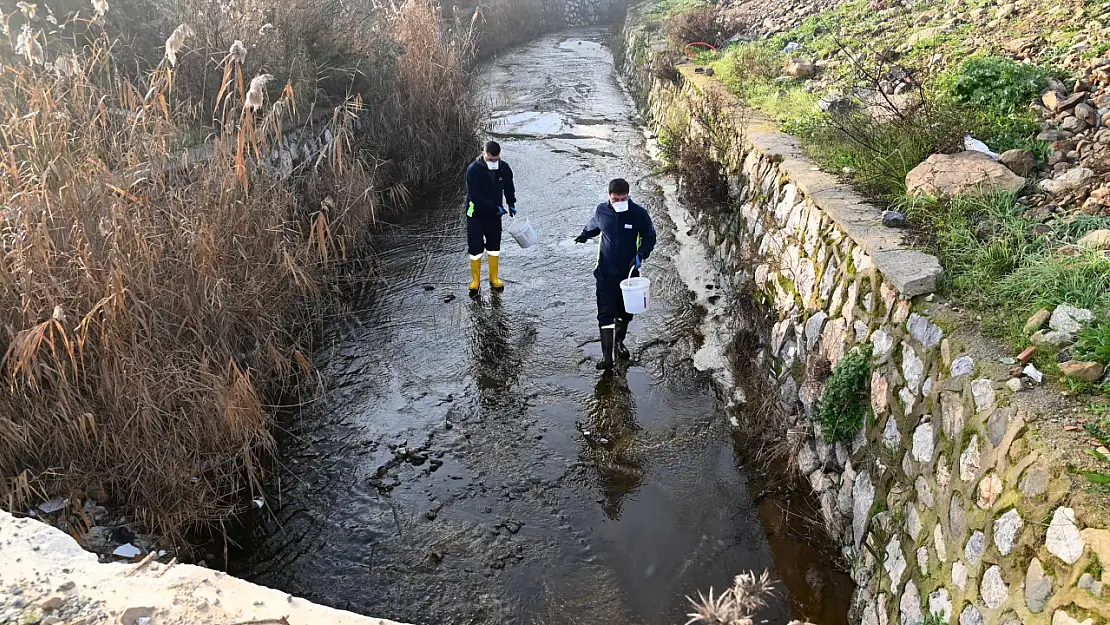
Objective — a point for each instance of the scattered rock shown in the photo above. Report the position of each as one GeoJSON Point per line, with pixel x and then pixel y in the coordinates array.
{"type": "Point", "coordinates": [895, 219]}
{"type": "Point", "coordinates": [913, 369]}
{"type": "Point", "coordinates": [1038, 586]}
{"type": "Point", "coordinates": [1052, 339]}
{"type": "Point", "coordinates": [959, 578]}
{"type": "Point", "coordinates": [913, 521]}
{"type": "Point", "coordinates": [1021, 162]}
{"type": "Point", "coordinates": [924, 492]}
{"type": "Point", "coordinates": [1056, 102]}
{"type": "Point", "coordinates": [970, 615]}
{"type": "Point", "coordinates": [983, 391]}
{"type": "Point", "coordinates": [941, 604]}
{"type": "Point", "coordinates": [1096, 240]}
{"type": "Point", "coordinates": [923, 560]}
{"type": "Point", "coordinates": [1037, 321]}
{"type": "Point", "coordinates": [1087, 582]}
{"type": "Point", "coordinates": [923, 443]}
{"type": "Point", "coordinates": [990, 487]}
{"type": "Point", "coordinates": [52, 604]}
{"type": "Point", "coordinates": [137, 616]}
{"type": "Point", "coordinates": [801, 68]}
{"type": "Point", "coordinates": [1082, 371]}
{"type": "Point", "coordinates": [924, 331]}
{"type": "Point", "coordinates": [923, 35]}
{"type": "Point", "coordinates": [963, 173]}
{"type": "Point", "coordinates": [976, 546]}
{"type": "Point", "coordinates": [1035, 482]}
{"type": "Point", "coordinates": [969, 460]}
{"type": "Point", "coordinates": [1068, 181]}
{"type": "Point", "coordinates": [1063, 539]}
{"type": "Point", "coordinates": [1073, 125]}
{"type": "Point", "coordinates": [910, 605]}
{"type": "Point", "coordinates": [892, 438]}
{"type": "Point", "coordinates": [863, 495]}
{"type": "Point", "coordinates": [993, 588]}
{"type": "Point", "coordinates": [1063, 618]}
{"type": "Point", "coordinates": [1006, 529]}
{"type": "Point", "coordinates": [964, 365]}
{"type": "Point", "coordinates": [895, 562]}
{"type": "Point", "coordinates": [807, 459]}
{"type": "Point", "coordinates": [939, 544]}
{"type": "Point", "coordinates": [1069, 318]}
{"type": "Point", "coordinates": [1087, 114]}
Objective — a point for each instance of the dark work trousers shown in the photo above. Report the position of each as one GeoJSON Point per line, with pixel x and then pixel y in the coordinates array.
{"type": "Point", "coordinates": [610, 302]}
{"type": "Point", "coordinates": [483, 233]}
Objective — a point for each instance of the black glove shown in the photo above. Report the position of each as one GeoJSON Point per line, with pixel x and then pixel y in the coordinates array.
{"type": "Point", "coordinates": [581, 238]}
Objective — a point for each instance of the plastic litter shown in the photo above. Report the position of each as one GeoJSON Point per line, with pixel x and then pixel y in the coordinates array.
{"type": "Point", "coordinates": [52, 506]}
{"type": "Point", "coordinates": [793, 46]}
{"type": "Point", "coordinates": [127, 551]}
{"type": "Point", "coordinates": [1032, 373]}
{"type": "Point", "coordinates": [971, 143]}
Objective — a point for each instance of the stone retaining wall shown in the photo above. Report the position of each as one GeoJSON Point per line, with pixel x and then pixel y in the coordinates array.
{"type": "Point", "coordinates": [944, 503]}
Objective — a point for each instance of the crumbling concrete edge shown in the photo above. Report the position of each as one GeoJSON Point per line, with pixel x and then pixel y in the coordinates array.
{"type": "Point", "coordinates": [51, 569]}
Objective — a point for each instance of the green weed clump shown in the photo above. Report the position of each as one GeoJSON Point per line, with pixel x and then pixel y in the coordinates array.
{"type": "Point", "coordinates": [996, 93]}
{"type": "Point", "coordinates": [845, 402]}
{"type": "Point", "coordinates": [1093, 341]}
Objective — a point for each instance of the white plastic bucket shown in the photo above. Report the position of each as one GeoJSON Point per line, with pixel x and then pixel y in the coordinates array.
{"type": "Point", "coordinates": [523, 232]}
{"type": "Point", "coordinates": [635, 293]}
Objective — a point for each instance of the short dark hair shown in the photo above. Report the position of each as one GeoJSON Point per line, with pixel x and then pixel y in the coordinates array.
{"type": "Point", "coordinates": [618, 186]}
{"type": "Point", "coordinates": [493, 148]}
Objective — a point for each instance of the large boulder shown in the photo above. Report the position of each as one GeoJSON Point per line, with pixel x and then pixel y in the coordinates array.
{"type": "Point", "coordinates": [1068, 181]}
{"type": "Point", "coordinates": [1096, 240]}
{"type": "Point", "coordinates": [963, 173]}
{"type": "Point", "coordinates": [1021, 162]}
{"type": "Point", "coordinates": [801, 68]}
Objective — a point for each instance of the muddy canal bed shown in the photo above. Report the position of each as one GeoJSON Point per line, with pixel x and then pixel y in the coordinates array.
{"type": "Point", "coordinates": [467, 465]}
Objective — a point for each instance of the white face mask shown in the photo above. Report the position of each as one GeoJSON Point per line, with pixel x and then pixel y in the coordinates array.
{"type": "Point", "coordinates": [493, 164]}
{"type": "Point", "coordinates": [620, 207]}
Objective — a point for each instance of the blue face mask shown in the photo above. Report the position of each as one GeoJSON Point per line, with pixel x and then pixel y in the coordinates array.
{"type": "Point", "coordinates": [493, 165]}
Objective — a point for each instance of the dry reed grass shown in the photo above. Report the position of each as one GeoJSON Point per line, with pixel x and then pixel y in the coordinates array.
{"type": "Point", "coordinates": [150, 304]}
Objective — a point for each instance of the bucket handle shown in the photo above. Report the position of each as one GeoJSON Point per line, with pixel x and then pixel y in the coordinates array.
{"type": "Point", "coordinates": [635, 269]}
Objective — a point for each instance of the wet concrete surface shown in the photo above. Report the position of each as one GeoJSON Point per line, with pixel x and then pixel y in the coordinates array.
{"type": "Point", "coordinates": [467, 465]}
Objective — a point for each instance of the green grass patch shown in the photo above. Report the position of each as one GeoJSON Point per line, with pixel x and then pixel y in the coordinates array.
{"type": "Point", "coordinates": [1093, 342]}
{"type": "Point", "coordinates": [994, 262]}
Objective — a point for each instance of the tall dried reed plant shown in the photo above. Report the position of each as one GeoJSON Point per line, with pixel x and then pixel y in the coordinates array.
{"type": "Point", "coordinates": [149, 304]}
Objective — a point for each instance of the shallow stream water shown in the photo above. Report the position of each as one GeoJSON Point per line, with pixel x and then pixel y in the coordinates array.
{"type": "Point", "coordinates": [467, 465]}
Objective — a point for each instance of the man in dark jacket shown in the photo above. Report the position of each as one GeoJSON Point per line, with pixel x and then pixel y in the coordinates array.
{"type": "Point", "coordinates": [627, 239]}
{"type": "Point", "coordinates": [487, 179]}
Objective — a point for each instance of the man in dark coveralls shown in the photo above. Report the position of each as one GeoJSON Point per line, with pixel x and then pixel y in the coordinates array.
{"type": "Point", "coordinates": [627, 239]}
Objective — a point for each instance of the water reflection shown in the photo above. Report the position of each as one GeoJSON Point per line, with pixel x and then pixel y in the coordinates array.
{"type": "Point", "coordinates": [500, 343]}
{"type": "Point", "coordinates": [610, 432]}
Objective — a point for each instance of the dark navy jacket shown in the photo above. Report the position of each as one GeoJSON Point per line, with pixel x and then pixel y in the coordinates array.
{"type": "Point", "coordinates": [623, 236]}
{"type": "Point", "coordinates": [485, 187]}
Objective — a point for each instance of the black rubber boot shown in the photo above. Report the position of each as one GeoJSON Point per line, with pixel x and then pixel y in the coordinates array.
{"type": "Point", "coordinates": [608, 336]}
{"type": "Point", "coordinates": [621, 350]}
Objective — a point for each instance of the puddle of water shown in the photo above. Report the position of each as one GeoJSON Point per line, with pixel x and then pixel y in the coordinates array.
{"type": "Point", "coordinates": [468, 465]}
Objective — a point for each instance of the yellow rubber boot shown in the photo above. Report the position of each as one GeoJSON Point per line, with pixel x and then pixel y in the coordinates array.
{"type": "Point", "coordinates": [494, 279]}
{"type": "Point", "coordinates": [475, 273]}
